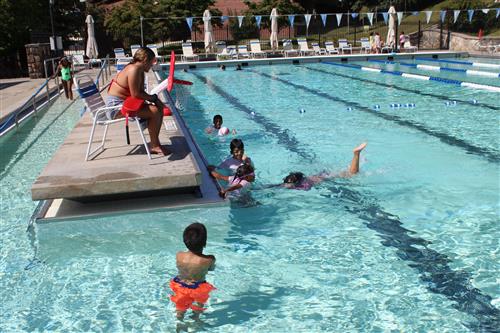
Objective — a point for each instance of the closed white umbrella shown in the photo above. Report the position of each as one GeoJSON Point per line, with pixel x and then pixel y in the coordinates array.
{"type": "Point", "coordinates": [391, 33]}
{"type": "Point", "coordinates": [209, 40]}
{"type": "Point", "coordinates": [91, 42]}
{"type": "Point", "coordinates": [274, 29]}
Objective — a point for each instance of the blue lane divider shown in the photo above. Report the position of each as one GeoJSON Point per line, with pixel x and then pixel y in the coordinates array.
{"type": "Point", "coordinates": [420, 77]}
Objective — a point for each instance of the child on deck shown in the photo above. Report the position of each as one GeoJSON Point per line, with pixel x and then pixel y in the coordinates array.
{"type": "Point", "coordinates": [217, 128]}
{"type": "Point", "coordinates": [236, 159]}
{"type": "Point", "coordinates": [241, 180]}
{"type": "Point", "coordinates": [189, 286]}
{"type": "Point", "coordinates": [64, 68]}
{"type": "Point", "coordinates": [298, 181]}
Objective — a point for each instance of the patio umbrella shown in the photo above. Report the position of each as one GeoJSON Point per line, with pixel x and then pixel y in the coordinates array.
{"type": "Point", "coordinates": [91, 42]}
{"type": "Point", "coordinates": [209, 40]}
{"type": "Point", "coordinates": [274, 29]}
{"type": "Point", "coordinates": [391, 33]}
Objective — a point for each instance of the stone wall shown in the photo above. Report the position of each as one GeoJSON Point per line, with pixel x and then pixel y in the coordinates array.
{"type": "Point", "coordinates": [36, 54]}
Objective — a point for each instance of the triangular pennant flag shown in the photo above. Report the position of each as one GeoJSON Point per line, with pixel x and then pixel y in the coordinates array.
{"type": "Point", "coordinates": [339, 18]}
{"type": "Point", "coordinates": [354, 15]}
{"type": "Point", "coordinates": [291, 18]}
{"type": "Point", "coordinates": [442, 15]}
{"type": "Point", "coordinates": [486, 10]}
{"type": "Point", "coordinates": [386, 17]}
{"type": "Point", "coordinates": [258, 18]}
{"type": "Point", "coordinates": [470, 13]}
{"type": "Point", "coordinates": [455, 15]}
{"type": "Point", "coordinates": [415, 13]}
{"type": "Point", "coordinates": [308, 19]}
{"type": "Point", "coordinates": [240, 20]}
{"type": "Point", "coordinates": [498, 12]}
{"type": "Point", "coordinates": [370, 17]}
{"type": "Point", "coordinates": [323, 18]}
{"type": "Point", "coordinates": [400, 17]}
{"type": "Point", "coordinates": [428, 14]}
{"type": "Point", "coordinates": [223, 19]}
{"type": "Point", "coordinates": [189, 21]}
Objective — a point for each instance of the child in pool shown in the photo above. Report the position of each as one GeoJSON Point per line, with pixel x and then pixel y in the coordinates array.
{"type": "Point", "coordinates": [64, 68]}
{"type": "Point", "coordinates": [240, 181]}
{"type": "Point", "coordinates": [191, 291]}
{"type": "Point", "coordinates": [217, 127]}
{"type": "Point", "coordinates": [236, 159]}
{"type": "Point", "coordinates": [298, 181]}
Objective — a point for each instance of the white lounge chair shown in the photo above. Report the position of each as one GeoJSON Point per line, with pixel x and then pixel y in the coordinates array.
{"type": "Point", "coordinates": [318, 50]}
{"type": "Point", "coordinates": [187, 52]}
{"type": "Point", "coordinates": [288, 49]}
{"type": "Point", "coordinates": [408, 47]}
{"type": "Point", "coordinates": [154, 48]}
{"type": "Point", "coordinates": [256, 50]}
{"type": "Point", "coordinates": [330, 48]}
{"type": "Point", "coordinates": [120, 53]}
{"type": "Point", "coordinates": [134, 48]}
{"type": "Point", "coordinates": [78, 60]}
{"type": "Point", "coordinates": [344, 46]}
{"type": "Point", "coordinates": [95, 104]}
{"type": "Point", "coordinates": [222, 51]}
{"type": "Point", "coordinates": [243, 52]}
{"type": "Point", "coordinates": [365, 45]}
{"type": "Point", "coordinates": [303, 47]}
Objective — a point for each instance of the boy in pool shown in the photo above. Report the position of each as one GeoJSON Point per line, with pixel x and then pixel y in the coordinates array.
{"type": "Point", "coordinates": [298, 181]}
{"type": "Point", "coordinates": [240, 181]}
{"type": "Point", "coordinates": [236, 159]}
{"type": "Point", "coordinates": [217, 127]}
{"type": "Point", "coordinates": [189, 286]}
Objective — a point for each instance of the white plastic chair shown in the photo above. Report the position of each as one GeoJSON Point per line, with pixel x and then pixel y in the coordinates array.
{"type": "Point", "coordinates": [303, 47]}
{"type": "Point", "coordinates": [134, 48]}
{"type": "Point", "coordinates": [365, 45]}
{"type": "Point", "coordinates": [243, 51]}
{"type": "Point", "coordinates": [187, 52]}
{"type": "Point", "coordinates": [119, 53]}
{"type": "Point", "coordinates": [344, 46]}
{"type": "Point", "coordinates": [330, 48]}
{"type": "Point", "coordinates": [317, 49]}
{"type": "Point", "coordinates": [95, 104]}
{"type": "Point", "coordinates": [78, 60]}
{"type": "Point", "coordinates": [154, 48]}
{"type": "Point", "coordinates": [256, 50]}
{"type": "Point", "coordinates": [288, 49]}
{"type": "Point", "coordinates": [408, 47]}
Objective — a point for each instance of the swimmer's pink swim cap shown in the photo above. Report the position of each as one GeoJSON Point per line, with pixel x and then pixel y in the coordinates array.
{"type": "Point", "coordinates": [223, 131]}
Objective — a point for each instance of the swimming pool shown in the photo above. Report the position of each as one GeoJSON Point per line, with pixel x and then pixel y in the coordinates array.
{"type": "Point", "coordinates": [409, 244]}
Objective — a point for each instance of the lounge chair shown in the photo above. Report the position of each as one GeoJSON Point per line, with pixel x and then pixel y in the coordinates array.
{"type": "Point", "coordinates": [134, 48]}
{"type": "Point", "coordinates": [288, 49]}
{"type": "Point", "coordinates": [78, 60]}
{"type": "Point", "coordinates": [304, 48]}
{"type": "Point", "coordinates": [256, 50]}
{"type": "Point", "coordinates": [408, 47]}
{"type": "Point", "coordinates": [344, 46]}
{"type": "Point", "coordinates": [187, 52]}
{"type": "Point", "coordinates": [318, 50]}
{"type": "Point", "coordinates": [243, 52]}
{"type": "Point", "coordinates": [95, 104]}
{"type": "Point", "coordinates": [120, 53]}
{"type": "Point", "coordinates": [330, 48]}
{"type": "Point", "coordinates": [365, 45]}
{"type": "Point", "coordinates": [154, 48]}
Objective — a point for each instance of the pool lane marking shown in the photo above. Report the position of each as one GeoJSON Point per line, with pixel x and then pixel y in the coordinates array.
{"type": "Point", "coordinates": [281, 134]}
{"type": "Point", "coordinates": [434, 267]}
{"type": "Point", "coordinates": [475, 64]}
{"type": "Point", "coordinates": [393, 86]}
{"type": "Point", "coordinates": [470, 300]}
{"type": "Point", "coordinates": [490, 155]}
{"type": "Point", "coordinates": [437, 68]}
{"type": "Point", "coordinates": [422, 77]}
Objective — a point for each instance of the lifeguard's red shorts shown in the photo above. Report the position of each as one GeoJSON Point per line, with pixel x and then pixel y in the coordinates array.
{"type": "Point", "coordinates": [185, 296]}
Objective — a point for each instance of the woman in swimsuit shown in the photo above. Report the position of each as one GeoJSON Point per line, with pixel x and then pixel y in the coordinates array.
{"type": "Point", "coordinates": [130, 82]}
{"type": "Point", "coordinates": [298, 181]}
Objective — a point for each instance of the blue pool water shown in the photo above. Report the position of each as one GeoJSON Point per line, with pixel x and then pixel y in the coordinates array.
{"type": "Point", "coordinates": [409, 244]}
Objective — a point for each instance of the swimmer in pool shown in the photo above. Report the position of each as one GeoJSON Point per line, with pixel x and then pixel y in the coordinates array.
{"type": "Point", "coordinates": [298, 181]}
{"type": "Point", "coordinates": [237, 158]}
{"type": "Point", "coordinates": [238, 183]}
{"type": "Point", "coordinates": [217, 127]}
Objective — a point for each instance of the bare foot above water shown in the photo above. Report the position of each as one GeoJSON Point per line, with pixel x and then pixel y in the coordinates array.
{"type": "Point", "coordinates": [359, 148]}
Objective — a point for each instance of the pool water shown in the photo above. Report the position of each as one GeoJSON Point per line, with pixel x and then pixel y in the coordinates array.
{"type": "Point", "coordinates": [408, 244]}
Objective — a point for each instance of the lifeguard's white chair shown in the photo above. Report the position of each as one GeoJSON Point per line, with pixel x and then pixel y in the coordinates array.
{"type": "Point", "coordinates": [330, 48]}
{"type": "Point", "coordinates": [101, 114]}
{"type": "Point", "coordinates": [187, 52]}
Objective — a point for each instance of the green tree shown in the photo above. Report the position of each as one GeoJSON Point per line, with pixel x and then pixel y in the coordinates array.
{"type": "Point", "coordinates": [265, 7]}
